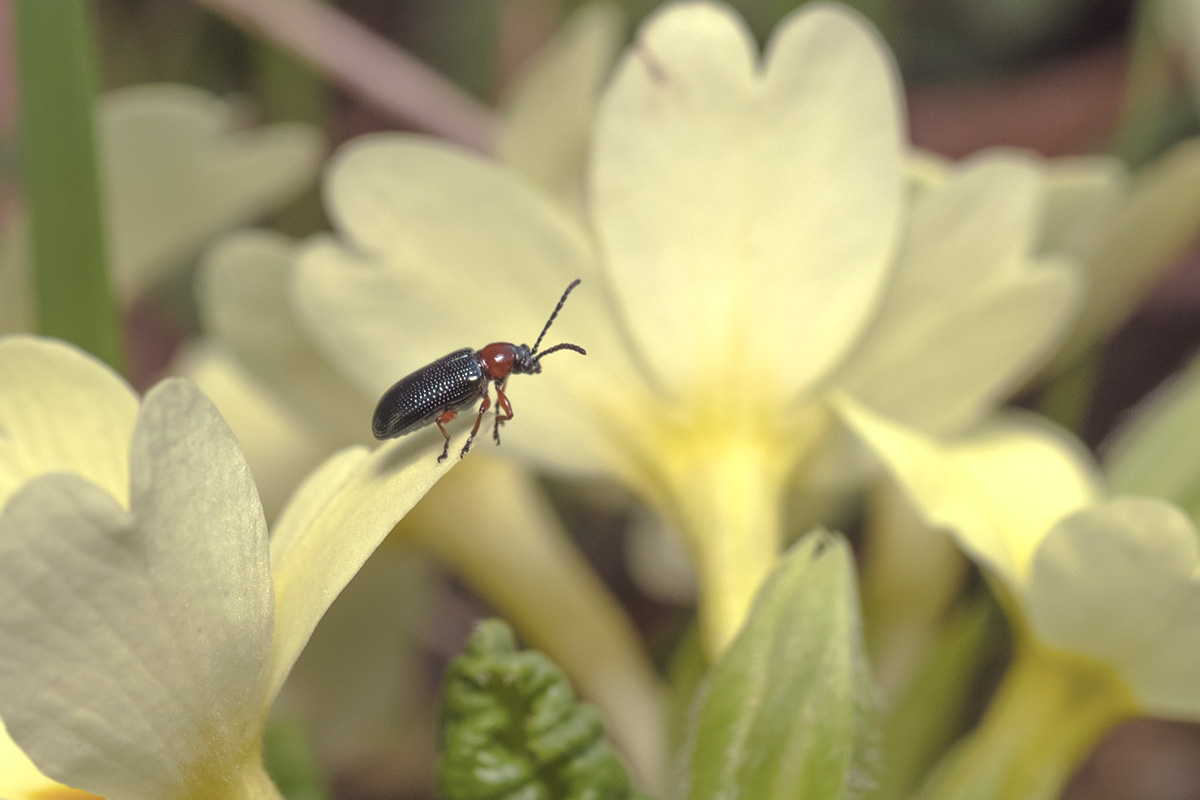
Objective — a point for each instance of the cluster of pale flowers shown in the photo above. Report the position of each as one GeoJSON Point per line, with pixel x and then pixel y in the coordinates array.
{"type": "Point", "coordinates": [778, 296]}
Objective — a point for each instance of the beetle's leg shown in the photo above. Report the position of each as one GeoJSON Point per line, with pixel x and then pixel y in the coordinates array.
{"type": "Point", "coordinates": [483, 407]}
{"type": "Point", "coordinates": [502, 404]}
{"type": "Point", "coordinates": [445, 417]}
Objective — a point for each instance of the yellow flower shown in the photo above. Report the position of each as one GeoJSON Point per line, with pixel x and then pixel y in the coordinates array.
{"type": "Point", "coordinates": [750, 240]}
{"type": "Point", "coordinates": [147, 624]}
{"type": "Point", "coordinates": [1104, 595]}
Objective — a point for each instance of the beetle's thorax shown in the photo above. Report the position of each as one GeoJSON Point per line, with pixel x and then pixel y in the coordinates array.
{"type": "Point", "coordinates": [499, 359]}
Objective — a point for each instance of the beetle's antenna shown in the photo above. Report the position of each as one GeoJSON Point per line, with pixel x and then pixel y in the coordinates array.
{"type": "Point", "coordinates": [563, 346]}
{"type": "Point", "coordinates": [557, 309]}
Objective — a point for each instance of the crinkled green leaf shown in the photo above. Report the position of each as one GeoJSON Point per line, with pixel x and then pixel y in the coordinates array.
{"type": "Point", "coordinates": [511, 728]}
{"type": "Point", "coordinates": [490, 523]}
{"type": "Point", "coordinates": [1158, 451]}
{"type": "Point", "coordinates": [783, 713]}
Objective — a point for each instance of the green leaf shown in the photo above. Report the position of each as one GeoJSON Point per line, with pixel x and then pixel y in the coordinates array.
{"type": "Point", "coordinates": [511, 728]}
{"type": "Point", "coordinates": [290, 761]}
{"type": "Point", "coordinates": [1157, 452]}
{"type": "Point", "coordinates": [925, 718]}
{"type": "Point", "coordinates": [784, 711]}
{"type": "Point", "coordinates": [56, 70]}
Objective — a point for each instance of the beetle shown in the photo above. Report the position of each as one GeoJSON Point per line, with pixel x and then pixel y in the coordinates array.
{"type": "Point", "coordinates": [437, 392]}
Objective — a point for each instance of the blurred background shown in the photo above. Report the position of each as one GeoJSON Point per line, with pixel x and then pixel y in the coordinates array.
{"type": "Point", "coordinates": [1058, 77]}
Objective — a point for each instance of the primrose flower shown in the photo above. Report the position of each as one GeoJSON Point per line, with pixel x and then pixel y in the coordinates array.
{"type": "Point", "coordinates": [1103, 594]}
{"type": "Point", "coordinates": [176, 172]}
{"type": "Point", "coordinates": [750, 241]}
{"type": "Point", "coordinates": [147, 624]}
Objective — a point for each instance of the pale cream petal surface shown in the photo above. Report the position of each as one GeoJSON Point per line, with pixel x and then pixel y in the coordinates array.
{"type": "Point", "coordinates": [547, 120]}
{"type": "Point", "coordinates": [178, 170]}
{"type": "Point", "coordinates": [136, 642]}
{"type": "Point", "coordinates": [1158, 222]}
{"type": "Point", "coordinates": [21, 780]}
{"type": "Point", "coordinates": [442, 251]}
{"type": "Point", "coordinates": [280, 447]}
{"type": "Point", "coordinates": [946, 375]}
{"type": "Point", "coordinates": [332, 524]}
{"type": "Point", "coordinates": [1120, 582]}
{"type": "Point", "coordinates": [244, 290]}
{"type": "Point", "coordinates": [998, 490]}
{"type": "Point", "coordinates": [1083, 194]}
{"type": "Point", "coordinates": [970, 312]}
{"type": "Point", "coordinates": [748, 214]}
{"type": "Point", "coordinates": [62, 411]}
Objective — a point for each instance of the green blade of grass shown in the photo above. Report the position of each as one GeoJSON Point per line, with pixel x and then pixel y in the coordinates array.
{"type": "Point", "coordinates": [57, 81]}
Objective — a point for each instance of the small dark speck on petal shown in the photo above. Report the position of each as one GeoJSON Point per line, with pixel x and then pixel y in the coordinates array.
{"type": "Point", "coordinates": [653, 68]}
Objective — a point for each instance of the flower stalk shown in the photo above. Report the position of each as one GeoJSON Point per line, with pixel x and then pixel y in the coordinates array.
{"type": "Point", "coordinates": [1048, 713]}
{"type": "Point", "coordinates": [729, 498]}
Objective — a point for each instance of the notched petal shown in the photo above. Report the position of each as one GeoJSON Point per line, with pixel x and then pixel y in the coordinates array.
{"type": "Point", "coordinates": [61, 410]}
{"type": "Point", "coordinates": [1120, 582]}
{"type": "Point", "coordinates": [704, 194]}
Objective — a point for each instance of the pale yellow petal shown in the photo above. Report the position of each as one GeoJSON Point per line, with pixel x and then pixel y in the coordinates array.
{"type": "Point", "coordinates": [279, 446]}
{"type": "Point", "coordinates": [748, 214]}
{"type": "Point", "coordinates": [1120, 583]}
{"type": "Point", "coordinates": [333, 523]}
{"type": "Point", "coordinates": [21, 780]}
{"type": "Point", "coordinates": [548, 118]}
{"type": "Point", "coordinates": [136, 641]}
{"type": "Point", "coordinates": [970, 312]}
{"type": "Point", "coordinates": [62, 411]}
{"type": "Point", "coordinates": [178, 171]}
{"type": "Point", "coordinates": [244, 291]}
{"type": "Point", "coordinates": [1158, 222]}
{"type": "Point", "coordinates": [1083, 194]}
{"type": "Point", "coordinates": [998, 490]}
{"type": "Point", "coordinates": [360, 688]}
{"type": "Point", "coordinates": [443, 251]}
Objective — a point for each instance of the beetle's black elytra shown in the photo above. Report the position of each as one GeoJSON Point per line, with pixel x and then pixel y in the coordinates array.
{"type": "Point", "coordinates": [436, 392]}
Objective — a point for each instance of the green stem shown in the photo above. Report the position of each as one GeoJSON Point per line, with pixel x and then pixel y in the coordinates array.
{"type": "Point", "coordinates": [1068, 396]}
{"type": "Point", "coordinates": [1048, 713]}
{"type": "Point", "coordinates": [56, 74]}
{"type": "Point", "coordinates": [1149, 90]}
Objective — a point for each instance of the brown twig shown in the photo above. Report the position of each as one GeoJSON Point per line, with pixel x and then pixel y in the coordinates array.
{"type": "Point", "coordinates": [368, 65]}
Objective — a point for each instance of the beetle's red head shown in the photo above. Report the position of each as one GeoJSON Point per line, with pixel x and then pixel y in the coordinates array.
{"type": "Point", "coordinates": [500, 359]}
